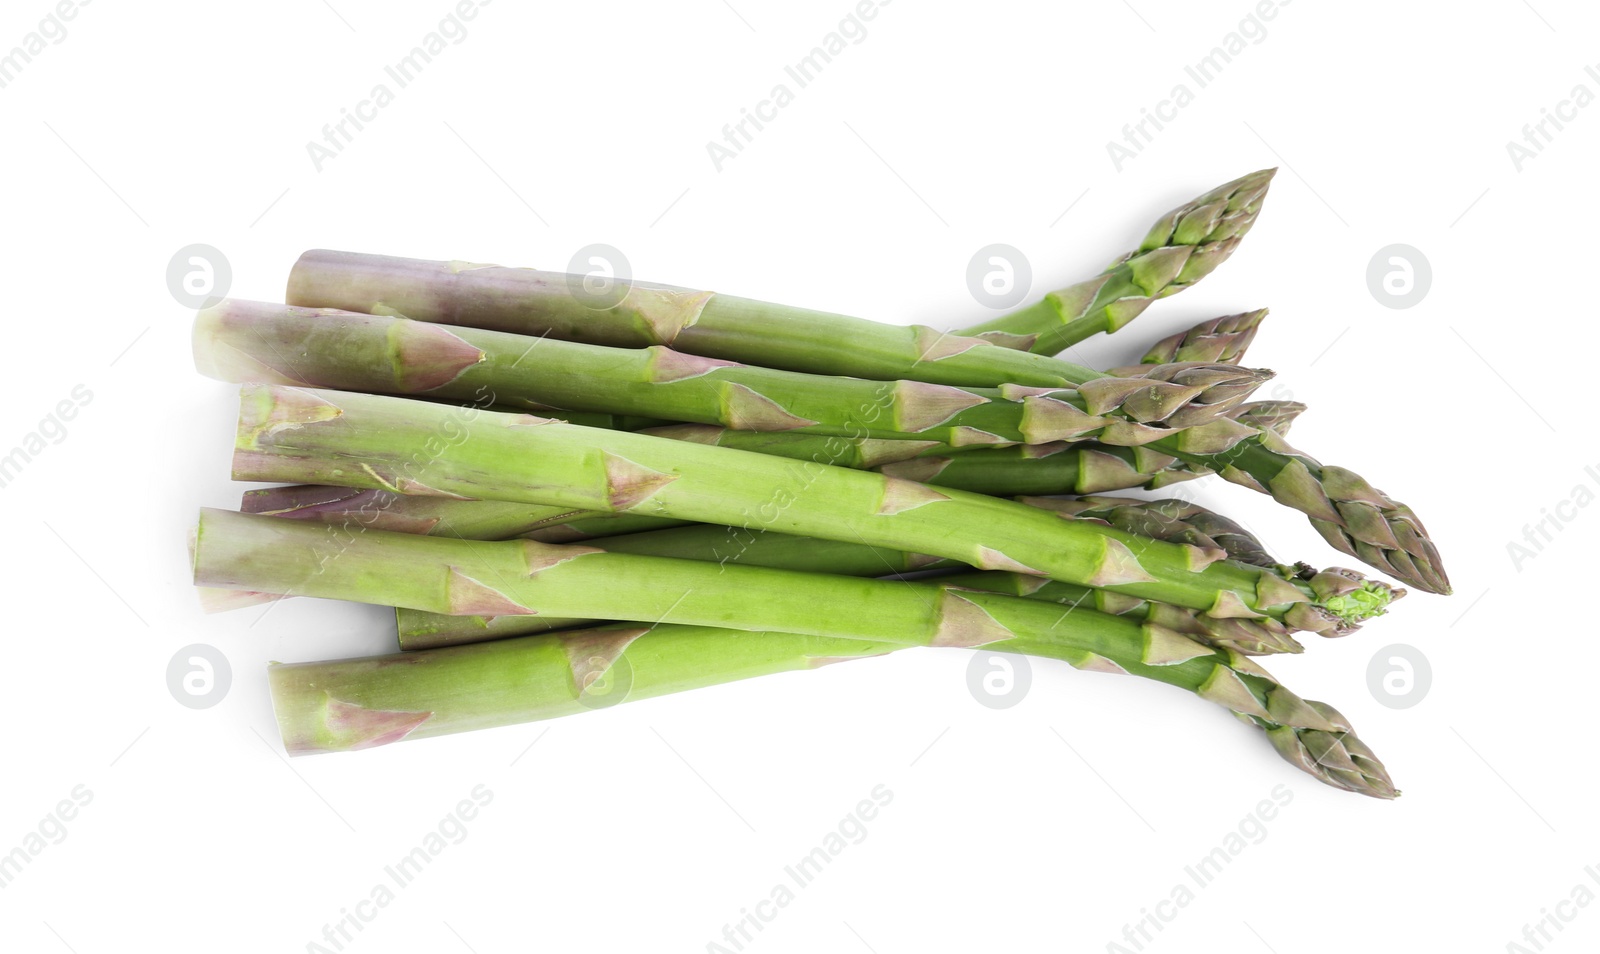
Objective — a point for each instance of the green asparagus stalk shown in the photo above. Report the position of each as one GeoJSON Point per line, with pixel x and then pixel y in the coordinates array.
{"type": "Point", "coordinates": [527, 578]}
{"type": "Point", "coordinates": [1249, 449]}
{"type": "Point", "coordinates": [1179, 250]}
{"type": "Point", "coordinates": [1176, 521]}
{"type": "Point", "coordinates": [1080, 467]}
{"type": "Point", "coordinates": [1086, 468]}
{"type": "Point", "coordinates": [524, 301]}
{"type": "Point", "coordinates": [419, 629]}
{"type": "Point", "coordinates": [569, 581]}
{"type": "Point", "coordinates": [1353, 516]}
{"type": "Point", "coordinates": [444, 516]}
{"type": "Point", "coordinates": [375, 442]}
{"type": "Point", "coordinates": [251, 342]}
{"type": "Point", "coordinates": [1182, 247]}
{"type": "Point", "coordinates": [1251, 637]}
{"type": "Point", "coordinates": [1054, 468]}
{"type": "Point", "coordinates": [422, 630]}
{"type": "Point", "coordinates": [471, 519]}
{"type": "Point", "coordinates": [355, 704]}
{"type": "Point", "coordinates": [1171, 520]}
{"type": "Point", "coordinates": [1059, 468]}
{"type": "Point", "coordinates": [355, 511]}
{"type": "Point", "coordinates": [1219, 341]}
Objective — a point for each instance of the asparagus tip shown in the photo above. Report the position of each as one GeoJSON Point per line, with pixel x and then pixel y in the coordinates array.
{"type": "Point", "coordinates": [1337, 758]}
{"type": "Point", "coordinates": [1222, 340]}
{"type": "Point", "coordinates": [1275, 416]}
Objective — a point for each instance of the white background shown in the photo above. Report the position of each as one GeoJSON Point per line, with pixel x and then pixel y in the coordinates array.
{"type": "Point", "coordinates": [1048, 826]}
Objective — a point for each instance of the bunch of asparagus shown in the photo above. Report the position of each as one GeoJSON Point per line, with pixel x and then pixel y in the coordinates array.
{"type": "Point", "coordinates": [572, 505]}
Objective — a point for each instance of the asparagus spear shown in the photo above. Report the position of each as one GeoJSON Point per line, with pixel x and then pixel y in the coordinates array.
{"type": "Point", "coordinates": [527, 578]}
{"type": "Point", "coordinates": [1179, 250]}
{"type": "Point", "coordinates": [354, 704]}
{"type": "Point", "coordinates": [1176, 521]}
{"type": "Point", "coordinates": [1351, 515]}
{"type": "Point", "coordinates": [545, 304]}
{"type": "Point", "coordinates": [252, 342]}
{"type": "Point", "coordinates": [1249, 449]}
{"type": "Point", "coordinates": [1337, 758]}
{"type": "Point", "coordinates": [1182, 247]}
{"type": "Point", "coordinates": [482, 519]}
{"type": "Point", "coordinates": [1083, 467]}
{"type": "Point", "coordinates": [414, 447]}
{"type": "Point", "coordinates": [1221, 340]}
{"type": "Point", "coordinates": [422, 630]}
{"type": "Point", "coordinates": [419, 629]}
{"type": "Point", "coordinates": [1251, 637]}
{"type": "Point", "coordinates": [1060, 467]}
{"type": "Point", "coordinates": [443, 516]}
{"type": "Point", "coordinates": [1054, 468]}
{"type": "Point", "coordinates": [1171, 520]}
{"type": "Point", "coordinates": [1086, 468]}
